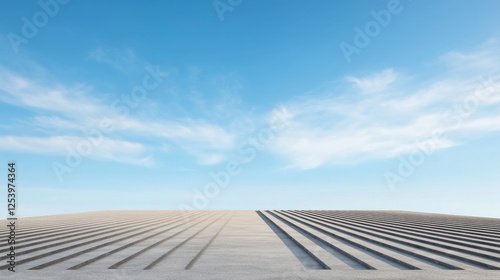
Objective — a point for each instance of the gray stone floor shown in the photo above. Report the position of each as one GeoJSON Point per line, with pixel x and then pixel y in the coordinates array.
{"type": "Point", "coordinates": [254, 245]}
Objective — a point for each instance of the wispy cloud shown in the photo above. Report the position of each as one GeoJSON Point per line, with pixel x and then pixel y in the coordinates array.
{"type": "Point", "coordinates": [205, 141]}
{"type": "Point", "coordinates": [375, 82]}
{"type": "Point", "coordinates": [120, 59]}
{"type": "Point", "coordinates": [103, 148]}
{"type": "Point", "coordinates": [483, 58]}
{"type": "Point", "coordinates": [351, 126]}
{"type": "Point", "coordinates": [376, 116]}
{"type": "Point", "coordinates": [21, 91]}
{"type": "Point", "coordinates": [66, 113]}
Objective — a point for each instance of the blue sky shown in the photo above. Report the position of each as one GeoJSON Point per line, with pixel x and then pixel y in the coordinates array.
{"type": "Point", "coordinates": [251, 105]}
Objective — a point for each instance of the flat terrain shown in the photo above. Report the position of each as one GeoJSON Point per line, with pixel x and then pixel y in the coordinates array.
{"type": "Point", "coordinates": [254, 245]}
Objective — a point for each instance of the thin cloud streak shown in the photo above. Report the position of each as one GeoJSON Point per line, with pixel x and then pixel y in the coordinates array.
{"type": "Point", "coordinates": [71, 112]}
{"type": "Point", "coordinates": [375, 82]}
{"type": "Point", "coordinates": [352, 127]}
{"type": "Point", "coordinates": [98, 148]}
{"type": "Point", "coordinates": [378, 116]}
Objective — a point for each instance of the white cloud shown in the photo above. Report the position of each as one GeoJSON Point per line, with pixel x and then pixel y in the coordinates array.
{"type": "Point", "coordinates": [206, 142]}
{"type": "Point", "coordinates": [121, 59]}
{"type": "Point", "coordinates": [207, 158]}
{"type": "Point", "coordinates": [97, 148]}
{"type": "Point", "coordinates": [71, 111]}
{"type": "Point", "coordinates": [58, 123]}
{"type": "Point", "coordinates": [21, 91]}
{"type": "Point", "coordinates": [376, 82]}
{"type": "Point", "coordinates": [352, 127]}
{"type": "Point", "coordinates": [338, 127]}
{"type": "Point", "coordinates": [483, 58]}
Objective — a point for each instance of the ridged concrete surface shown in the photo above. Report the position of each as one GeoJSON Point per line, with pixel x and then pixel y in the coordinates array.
{"type": "Point", "coordinates": [254, 245]}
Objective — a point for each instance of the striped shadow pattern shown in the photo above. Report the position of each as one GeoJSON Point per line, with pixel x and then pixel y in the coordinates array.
{"type": "Point", "coordinates": [277, 241]}
{"type": "Point", "coordinates": [387, 240]}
